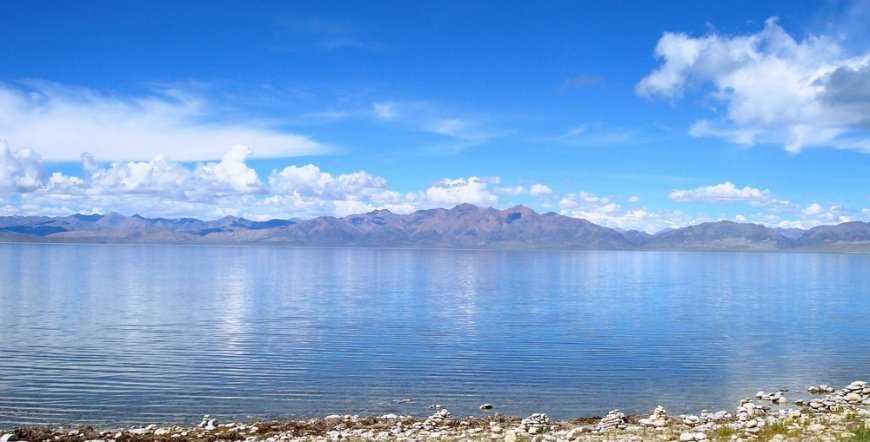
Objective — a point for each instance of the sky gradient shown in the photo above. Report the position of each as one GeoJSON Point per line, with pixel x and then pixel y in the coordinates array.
{"type": "Point", "coordinates": [636, 115]}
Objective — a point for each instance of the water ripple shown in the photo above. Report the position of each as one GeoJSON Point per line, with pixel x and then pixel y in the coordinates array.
{"type": "Point", "coordinates": [92, 334]}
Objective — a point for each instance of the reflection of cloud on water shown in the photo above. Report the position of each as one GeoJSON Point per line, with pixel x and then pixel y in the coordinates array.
{"type": "Point", "coordinates": [234, 297]}
{"type": "Point", "coordinates": [450, 292]}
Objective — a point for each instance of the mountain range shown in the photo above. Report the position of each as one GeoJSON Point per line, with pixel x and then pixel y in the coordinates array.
{"type": "Point", "coordinates": [464, 226]}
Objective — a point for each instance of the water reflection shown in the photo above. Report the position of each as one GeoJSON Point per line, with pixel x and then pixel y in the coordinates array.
{"type": "Point", "coordinates": [136, 333]}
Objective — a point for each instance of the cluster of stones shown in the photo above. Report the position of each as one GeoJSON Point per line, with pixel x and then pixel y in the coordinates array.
{"type": "Point", "coordinates": [855, 394]}
{"type": "Point", "coordinates": [658, 419]}
{"type": "Point", "coordinates": [438, 421]}
{"type": "Point", "coordinates": [834, 414]}
{"type": "Point", "coordinates": [821, 389]}
{"type": "Point", "coordinates": [537, 423]}
{"type": "Point", "coordinates": [207, 423]}
{"type": "Point", "coordinates": [777, 397]}
{"type": "Point", "coordinates": [699, 426]}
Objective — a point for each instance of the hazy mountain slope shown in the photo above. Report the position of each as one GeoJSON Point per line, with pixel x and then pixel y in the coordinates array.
{"type": "Point", "coordinates": [853, 235]}
{"type": "Point", "coordinates": [464, 226]}
{"type": "Point", "coordinates": [722, 235]}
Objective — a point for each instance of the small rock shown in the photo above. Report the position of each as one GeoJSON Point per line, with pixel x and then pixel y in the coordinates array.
{"type": "Point", "coordinates": [575, 433]}
{"type": "Point", "coordinates": [486, 407]}
{"type": "Point", "coordinates": [687, 437]}
{"type": "Point", "coordinates": [6, 437]}
{"type": "Point", "coordinates": [510, 436]}
{"type": "Point", "coordinates": [816, 428]}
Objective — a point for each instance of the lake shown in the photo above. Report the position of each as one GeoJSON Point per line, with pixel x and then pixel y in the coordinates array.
{"type": "Point", "coordinates": [110, 334]}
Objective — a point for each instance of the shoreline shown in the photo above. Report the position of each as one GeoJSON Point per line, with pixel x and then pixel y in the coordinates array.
{"type": "Point", "coordinates": [829, 415]}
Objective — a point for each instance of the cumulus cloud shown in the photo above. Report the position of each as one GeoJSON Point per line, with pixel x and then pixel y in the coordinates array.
{"type": "Point", "coordinates": [727, 192]}
{"type": "Point", "coordinates": [163, 187]}
{"type": "Point", "coordinates": [230, 176]}
{"type": "Point", "coordinates": [816, 214]}
{"type": "Point", "coordinates": [20, 171]}
{"type": "Point", "coordinates": [310, 182]}
{"type": "Point", "coordinates": [472, 190]}
{"type": "Point", "coordinates": [813, 215]}
{"type": "Point", "coordinates": [60, 122]}
{"type": "Point", "coordinates": [603, 211]}
{"type": "Point", "coordinates": [776, 89]}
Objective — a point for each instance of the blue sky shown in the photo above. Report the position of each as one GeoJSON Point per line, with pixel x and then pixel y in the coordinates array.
{"type": "Point", "coordinates": [637, 115]}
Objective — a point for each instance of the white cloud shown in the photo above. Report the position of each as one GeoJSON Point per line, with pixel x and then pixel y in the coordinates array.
{"type": "Point", "coordinates": [603, 211]}
{"type": "Point", "coordinates": [633, 199]}
{"type": "Point", "coordinates": [727, 192]}
{"type": "Point", "coordinates": [584, 200]}
{"type": "Point", "coordinates": [162, 187]}
{"type": "Point", "coordinates": [540, 190]}
{"type": "Point", "coordinates": [776, 89]}
{"type": "Point", "coordinates": [814, 209]}
{"type": "Point", "coordinates": [20, 171]}
{"type": "Point", "coordinates": [230, 176]}
{"type": "Point", "coordinates": [813, 215]}
{"type": "Point", "coordinates": [816, 214]}
{"type": "Point", "coordinates": [472, 190]}
{"type": "Point", "coordinates": [61, 122]}
{"type": "Point", "coordinates": [310, 182]}
{"type": "Point", "coordinates": [536, 189]}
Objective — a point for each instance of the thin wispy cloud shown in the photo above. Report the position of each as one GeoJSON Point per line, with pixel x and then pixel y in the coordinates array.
{"type": "Point", "coordinates": [453, 131]}
{"type": "Point", "coordinates": [60, 122]}
{"type": "Point", "coordinates": [580, 81]}
{"type": "Point", "coordinates": [595, 135]}
{"type": "Point", "coordinates": [727, 192]}
{"type": "Point", "coordinates": [308, 32]}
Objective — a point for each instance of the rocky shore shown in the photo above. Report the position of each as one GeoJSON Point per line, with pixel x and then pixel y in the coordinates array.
{"type": "Point", "coordinates": [828, 414]}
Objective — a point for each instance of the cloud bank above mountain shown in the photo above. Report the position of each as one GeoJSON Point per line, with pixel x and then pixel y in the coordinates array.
{"type": "Point", "coordinates": [230, 186]}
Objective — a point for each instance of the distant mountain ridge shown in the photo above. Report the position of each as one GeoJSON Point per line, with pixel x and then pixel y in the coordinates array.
{"type": "Point", "coordinates": [464, 226]}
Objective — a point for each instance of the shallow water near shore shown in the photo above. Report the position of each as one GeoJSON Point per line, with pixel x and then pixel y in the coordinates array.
{"type": "Point", "coordinates": [126, 334]}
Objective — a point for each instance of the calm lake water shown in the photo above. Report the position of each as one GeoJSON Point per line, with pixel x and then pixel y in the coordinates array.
{"type": "Point", "coordinates": [126, 334]}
